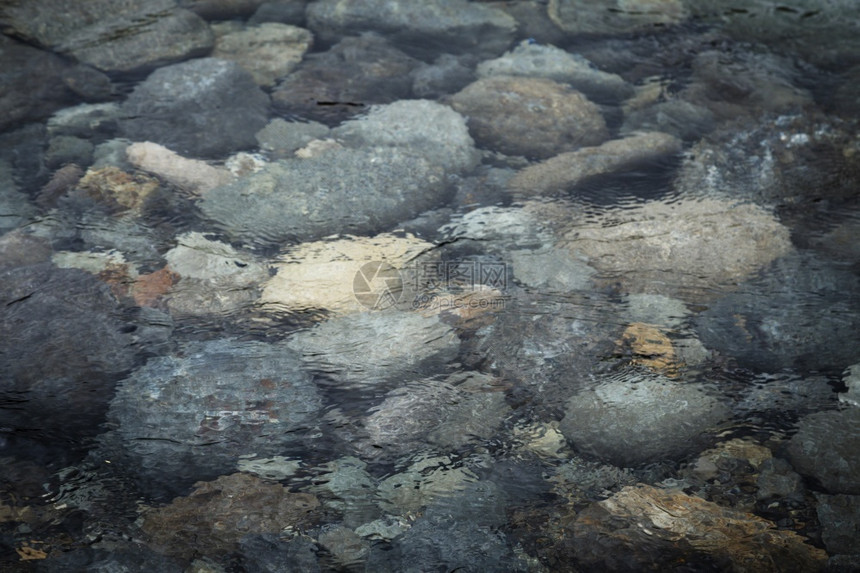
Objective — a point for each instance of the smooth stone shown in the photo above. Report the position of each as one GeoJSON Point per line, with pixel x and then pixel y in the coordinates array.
{"type": "Point", "coordinates": [191, 175]}
{"type": "Point", "coordinates": [534, 117]}
{"type": "Point", "coordinates": [611, 17]}
{"type": "Point", "coordinates": [839, 516]}
{"type": "Point", "coordinates": [679, 248]}
{"type": "Point", "coordinates": [281, 138]}
{"type": "Point", "coordinates": [423, 28]}
{"type": "Point", "coordinates": [826, 447]}
{"type": "Point", "coordinates": [531, 59]}
{"type": "Point", "coordinates": [268, 51]}
{"type": "Point", "coordinates": [566, 171]}
{"type": "Point", "coordinates": [637, 418]}
{"type": "Point", "coordinates": [201, 108]}
{"type": "Point", "coordinates": [198, 412]}
{"type": "Point", "coordinates": [371, 348]}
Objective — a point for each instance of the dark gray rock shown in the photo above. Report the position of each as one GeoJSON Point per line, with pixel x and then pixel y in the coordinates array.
{"type": "Point", "coordinates": [126, 557]}
{"type": "Point", "coordinates": [839, 516]}
{"type": "Point", "coordinates": [340, 191]}
{"type": "Point", "coordinates": [823, 36]}
{"type": "Point", "coordinates": [395, 168]}
{"type": "Point", "coordinates": [202, 108]}
{"type": "Point", "coordinates": [531, 59]}
{"type": "Point", "coordinates": [778, 480]}
{"type": "Point", "coordinates": [792, 161]}
{"type": "Point", "coordinates": [15, 208]}
{"type": "Point", "coordinates": [189, 417]}
{"type": "Point", "coordinates": [827, 447]}
{"type": "Point", "coordinates": [799, 312]}
{"type": "Point", "coordinates": [66, 345]}
{"type": "Point", "coordinates": [448, 74]}
{"type": "Point", "coordinates": [95, 122]}
{"type": "Point", "coordinates": [370, 348]}
{"type": "Point", "coordinates": [680, 118]}
{"type": "Point", "coordinates": [65, 149]}
{"type": "Point", "coordinates": [221, 9]}
{"type": "Point", "coordinates": [420, 28]}
{"type": "Point", "coordinates": [32, 83]}
{"type": "Point", "coordinates": [283, 11]}
{"type": "Point", "coordinates": [111, 35]}
{"type": "Point", "coordinates": [446, 545]}
{"type": "Point", "coordinates": [353, 74]}
{"type": "Point", "coordinates": [268, 553]}
{"type": "Point", "coordinates": [635, 418]}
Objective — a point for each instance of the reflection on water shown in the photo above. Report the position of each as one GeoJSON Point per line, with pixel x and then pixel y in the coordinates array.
{"type": "Point", "coordinates": [478, 286]}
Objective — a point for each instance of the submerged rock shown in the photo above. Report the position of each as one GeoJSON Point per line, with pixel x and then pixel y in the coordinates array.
{"type": "Point", "coordinates": [797, 312]}
{"type": "Point", "coordinates": [531, 59]}
{"type": "Point", "coordinates": [826, 447]}
{"type": "Point", "coordinates": [191, 175]}
{"type": "Point", "coordinates": [421, 28]}
{"type": "Point", "coordinates": [191, 416]}
{"type": "Point", "coordinates": [642, 527]}
{"type": "Point", "coordinates": [67, 345]}
{"type": "Point", "coordinates": [269, 51]}
{"type": "Point", "coordinates": [375, 347]}
{"type": "Point", "coordinates": [567, 170]}
{"type": "Point", "coordinates": [605, 17]}
{"type": "Point", "coordinates": [394, 167]}
{"type": "Point", "coordinates": [534, 117]}
{"type": "Point", "coordinates": [217, 515]}
{"type": "Point", "coordinates": [201, 108]}
{"type": "Point", "coordinates": [637, 418]}
{"type": "Point", "coordinates": [111, 35]}
{"type": "Point", "coordinates": [353, 74]}
{"type": "Point", "coordinates": [682, 248]}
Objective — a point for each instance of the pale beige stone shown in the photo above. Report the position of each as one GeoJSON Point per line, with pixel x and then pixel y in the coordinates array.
{"type": "Point", "coordinates": [191, 175]}
{"type": "Point", "coordinates": [322, 274]}
{"type": "Point", "coordinates": [269, 51]}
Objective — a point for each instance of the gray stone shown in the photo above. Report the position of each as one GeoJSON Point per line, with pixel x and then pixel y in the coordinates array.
{"type": "Point", "coordinates": [450, 545]}
{"type": "Point", "coordinates": [371, 348]}
{"type": "Point", "coordinates": [187, 417]}
{"type": "Point", "coordinates": [221, 9]}
{"type": "Point", "coordinates": [655, 309]}
{"type": "Point", "coordinates": [66, 149]}
{"type": "Point", "coordinates": [635, 418]}
{"type": "Point", "coordinates": [336, 84]}
{"type": "Point", "coordinates": [446, 75]}
{"type": "Point", "coordinates": [269, 51]}
{"type": "Point", "coordinates": [15, 208]}
{"type": "Point", "coordinates": [268, 553]}
{"type": "Point", "coordinates": [799, 312]}
{"type": "Point", "coordinates": [339, 191]}
{"type": "Point", "coordinates": [609, 17]}
{"type": "Point", "coordinates": [550, 270]}
{"type": "Point", "coordinates": [202, 108]}
{"type": "Point", "coordinates": [534, 117]}
{"type": "Point", "coordinates": [344, 486]}
{"type": "Point", "coordinates": [790, 160]}
{"type": "Point", "coordinates": [347, 548]}
{"type": "Point", "coordinates": [567, 170]}
{"type": "Point", "coordinates": [31, 83]}
{"type": "Point", "coordinates": [93, 121]}
{"type": "Point", "coordinates": [281, 139]}
{"type": "Point", "coordinates": [420, 28]}
{"type": "Point", "coordinates": [435, 131]}
{"type": "Point", "coordinates": [839, 516]}
{"type": "Point", "coordinates": [283, 11]}
{"type": "Point", "coordinates": [827, 447]}
{"type": "Point", "coordinates": [851, 379]}
{"type": "Point", "coordinates": [778, 480]}
{"type": "Point", "coordinates": [531, 59]}
{"type": "Point", "coordinates": [680, 118]}
{"type": "Point", "coordinates": [826, 37]}
{"type": "Point", "coordinates": [112, 35]}
{"type": "Point", "coordinates": [77, 347]}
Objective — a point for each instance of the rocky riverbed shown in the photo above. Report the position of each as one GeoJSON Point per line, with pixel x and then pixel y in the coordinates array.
{"type": "Point", "coordinates": [448, 285]}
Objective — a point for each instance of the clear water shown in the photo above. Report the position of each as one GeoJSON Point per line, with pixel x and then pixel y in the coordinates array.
{"type": "Point", "coordinates": [467, 434]}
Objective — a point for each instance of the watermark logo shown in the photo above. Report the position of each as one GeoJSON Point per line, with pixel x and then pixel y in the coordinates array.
{"type": "Point", "coordinates": [377, 285]}
{"type": "Point", "coordinates": [452, 285]}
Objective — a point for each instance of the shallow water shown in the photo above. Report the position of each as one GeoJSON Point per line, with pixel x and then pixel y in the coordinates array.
{"type": "Point", "coordinates": [432, 339]}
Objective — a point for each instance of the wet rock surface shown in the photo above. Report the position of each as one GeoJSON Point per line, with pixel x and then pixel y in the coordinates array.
{"type": "Point", "coordinates": [587, 305]}
{"type": "Point", "coordinates": [197, 412]}
{"type": "Point", "coordinates": [634, 419]}
{"type": "Point", "coordinates": [137, 36]}
{"type": "Point", "coordinates": [450, 25]}
{"type": "Point", "coordinates": [534, 117]}
{"type": "Point", "coordinates": [200, 108]}
{"type": "Point", "coordinates": [825, 448]}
